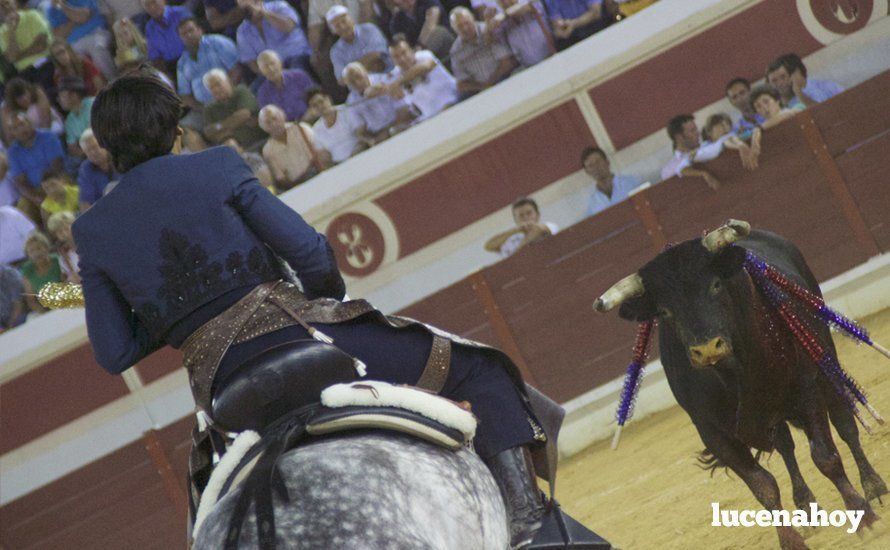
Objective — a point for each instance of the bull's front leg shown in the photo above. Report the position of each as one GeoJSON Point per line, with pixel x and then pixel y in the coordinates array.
{"type": "Point", "coordinates": [803, 496]}
{"type": "Point", "coordinates": [738, 458]}
{"type": "Point", "coordinates": [828, 460]}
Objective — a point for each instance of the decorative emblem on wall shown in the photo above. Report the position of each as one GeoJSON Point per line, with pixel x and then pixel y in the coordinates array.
{"type": "Point", "coordinates": [830, 20]}
{"type": "Point", "coordinates": [362, 240]}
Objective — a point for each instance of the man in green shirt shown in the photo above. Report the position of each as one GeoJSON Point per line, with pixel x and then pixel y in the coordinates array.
{"type": "Point", "coordinates": [73, 98]}
{"type": "Point", "coordinates": [232, 113]}
{"type": "Point", "coordinates": [24, 43]}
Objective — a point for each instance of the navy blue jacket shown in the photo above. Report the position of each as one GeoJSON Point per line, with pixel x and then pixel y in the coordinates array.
{"type": "Point", "coordinates": [182, 234]}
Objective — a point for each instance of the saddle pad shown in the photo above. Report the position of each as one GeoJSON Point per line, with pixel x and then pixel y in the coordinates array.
{"type": "Point", "coordinates": [328, 421]}
{"type": "Point", "coordinates": [373, 393]}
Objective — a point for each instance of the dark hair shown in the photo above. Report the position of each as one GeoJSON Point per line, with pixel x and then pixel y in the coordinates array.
{"type": "Point", "coordinates": [762, 90]}
{"type": "Point", "coordinates": [135, 118]}
{"type": "Point", "coordinates": [712, 121]}
{"type": "Point", "coordinates": [188, 20]}
{"type": "Point", "coordinates": [675, 125]}
{"type": "Point", "coordinates": [737, 80]}
{"type": "Point", "coordinates": [312, 92]}
{"type": "Point", "coordinates": [398, 38]}
{"type": "Point", "coordinates": [791, 61]}
{"type": "Point", "coordinates": [522, 201]}
{"type": "Point", "coordinates": [590, 151]}
{"type": "Point", "coordinates": [16, 88]}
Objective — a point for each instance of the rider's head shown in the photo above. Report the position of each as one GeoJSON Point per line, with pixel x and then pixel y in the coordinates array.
{"type": "Point", "coordinates": [136, 119]}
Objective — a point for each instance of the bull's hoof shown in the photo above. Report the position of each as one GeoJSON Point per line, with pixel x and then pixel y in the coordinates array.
{"type": "Point", "coordinates": [874, 488]}
{"type": "Point", "coordinates": [789, 539]}
{"type": "Point", "coordinates": [868, 519]}
{"type": "Point", "coordinates": [803, 499]}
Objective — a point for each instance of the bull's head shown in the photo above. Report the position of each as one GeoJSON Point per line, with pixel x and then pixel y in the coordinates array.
{"type": "Point", "coordinates": [693, 289]}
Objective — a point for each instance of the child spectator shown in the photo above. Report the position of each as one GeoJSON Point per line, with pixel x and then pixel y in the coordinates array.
{"type": "Point", "coordinates": [529, 229]}
{"type": "Point", "coordinates": [289, 151]}
{"type": "Point", "coordinates": [132, 50]}
{"type": "Point", "coordinates": [70, 64]}
{"type": "Point", "coordinates": [61, 196]}
{"type": "Point", "coordinates": [59, 226]}
{"type": "Point", "coordinates": [41, 267]}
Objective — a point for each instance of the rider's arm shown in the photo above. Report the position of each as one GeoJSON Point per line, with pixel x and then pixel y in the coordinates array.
{"type": "Point", "coordinates": [284, 231]}
{"type": "Point", "coordinates": [118, 338]}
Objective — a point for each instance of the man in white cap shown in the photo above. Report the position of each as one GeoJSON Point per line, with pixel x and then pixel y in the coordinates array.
{"type": "Point", "coordinates": [321, 38]}
{"type": "Point", "coordinates": [363, 43]}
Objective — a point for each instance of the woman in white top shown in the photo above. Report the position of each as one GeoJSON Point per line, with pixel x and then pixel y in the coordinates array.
{"type": "Point", "coordinates": [289, 151]}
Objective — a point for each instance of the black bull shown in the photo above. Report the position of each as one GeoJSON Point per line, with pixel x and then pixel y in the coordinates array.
{"type": "Point", "coordinates": [738, 371]}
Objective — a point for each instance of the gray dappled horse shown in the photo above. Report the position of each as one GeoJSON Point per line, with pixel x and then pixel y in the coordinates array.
{"type": "Point", "coordinates": [375, 490]}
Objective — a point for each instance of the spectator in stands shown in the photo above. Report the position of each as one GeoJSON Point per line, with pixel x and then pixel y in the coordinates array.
{"type": "Point", "coordinates": [321, 38]}
{"type": "Point", "coordinates": [59, 226]}
{"type": "Point", "coordinates": [131, 47]}
{"type": "Point", "coordinates": [335, 130]}
{"type": "Point", "coordinates": [767, 102]}
{"type": "Point", "coordinates": [14, 228]}
{"type": "Point", "coordinates": [12, 304]}
{"type": "Point", "coordinates": [484, 9]}
{"type": "Point", "coordinates": [788, 75]}
{"type": "Point", "coordinates": [285, 88]}
{"type": "Point", "coordinates": [524, 27]}
{"type": "Point", "coordinates": [575, 20]}
{"type": "Point", "coordinates": [28, 98]}
{"type": "Point", "coordinates": [95, 172]}
{"type": "Point", "coordinates": [421, 22]}
{"type": "Point", "coordinates": [378, 114]}
{"type": "Point", "coordinates": [272, 26]}
{"type": "Point", "coordinates": [684, 136]}
{"type": "Point", "coordinates": [9, 195]}
{"type": "Point", "coordinates": [81, 25]}
{"type": "Point", "coordinates": [34, 155]}
{"type": "Point", "coordinates": [718, 131]}
{"type": "Point", "coordinates": [61, 196]}
{"type": "Point", "coordinates": [738, 92]}
{"type": "Point", "coordinates": [24, 43]}
{"type": "Point", "coordinates": [70, 64]}
{"type": "Point", "coordinates": [529, 229]}
{"type": "Point", "coordinates": [363, 43]}
{"type": "Point", "coordinates": [202, 53]}
{"type": "Point", "coordinates": [162, 34]}
{"type": "Point", "coordinates": [224, 16]}
{"type": "Point", "coordinates": [420, 77]}
{"type": "Point", "coordinates": [478, 62]}
{"type": "Point", "coordinates": [609, 188]}
{"type": "Point", "coordinates": [289, 152]}
{"type": "Point", "coordinates": [41, 267]}
{"type": "Point", "coordinates": [232, 114]}
{"type": "Point", "coordinates": [73, 98]}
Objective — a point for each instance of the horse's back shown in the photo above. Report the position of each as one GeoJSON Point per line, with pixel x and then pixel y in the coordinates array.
{"type": "Point", "coordinates": [377, 490]}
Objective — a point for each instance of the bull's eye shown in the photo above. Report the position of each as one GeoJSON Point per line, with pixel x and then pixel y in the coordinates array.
{"type": "Point", "coordinates": [716, 286]}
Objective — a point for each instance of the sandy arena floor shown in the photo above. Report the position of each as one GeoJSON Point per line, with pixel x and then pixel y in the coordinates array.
{"type": "Point", "coordinates": [649, 494]}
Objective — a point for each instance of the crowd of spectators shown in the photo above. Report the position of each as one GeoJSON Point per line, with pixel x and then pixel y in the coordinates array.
{"type": "Point", "coordinates": [787, 89]}
{"type": "Point", "coordinates": [294, 86]}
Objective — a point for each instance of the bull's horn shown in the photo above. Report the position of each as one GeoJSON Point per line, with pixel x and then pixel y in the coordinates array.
{"type": "Point", "coordinates": [726, 234]}
{"type": "Point", "coordinates": [628, 287]}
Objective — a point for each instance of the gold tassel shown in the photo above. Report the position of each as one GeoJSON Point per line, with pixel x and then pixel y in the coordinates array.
{"type": "Point", "coordinates": [61, 296]}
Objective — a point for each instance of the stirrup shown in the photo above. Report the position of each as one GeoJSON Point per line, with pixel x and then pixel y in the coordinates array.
{"type": "Point", "coordinates": [559, 530]}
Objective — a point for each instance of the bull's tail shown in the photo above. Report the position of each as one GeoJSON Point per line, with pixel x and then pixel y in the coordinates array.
{"type": "Point", "coordinates": [708, 461]}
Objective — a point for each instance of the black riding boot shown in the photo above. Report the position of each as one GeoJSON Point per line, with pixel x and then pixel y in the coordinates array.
{"type": "Point", "coordinates": [514, 474]}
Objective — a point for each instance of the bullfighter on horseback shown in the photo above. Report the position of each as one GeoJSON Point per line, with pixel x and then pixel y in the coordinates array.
{"type": "Point", "coordinates": [187, 251]}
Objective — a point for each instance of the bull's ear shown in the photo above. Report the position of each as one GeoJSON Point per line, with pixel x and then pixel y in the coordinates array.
{"type": "Point", "coordinates": [728, 261]}
{"type": "Point", "coordinates": [638, 309]}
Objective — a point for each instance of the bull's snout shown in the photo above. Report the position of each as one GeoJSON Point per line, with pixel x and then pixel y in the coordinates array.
{"type": "Point", "coordinates": [710, 352]}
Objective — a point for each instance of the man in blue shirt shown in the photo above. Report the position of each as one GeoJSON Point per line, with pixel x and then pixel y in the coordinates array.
{"type": "Point", "coordinates": [363, 43]}
{"type": "Point", "coordinates": [738, 92]}
{"type": "Point", "coordinates": [202, 53]}
{"type": "Point", "coordinates": [272, 26]}
{"type": "Point", "coordinates": [162, 34]}
{"type": "Point", "coordinates": [80, 23]}
{"type": "Point", "coordinates": [95, 172]}
{"type": "Point", "coordinates": [608, 188]}
{"type": "Point", "coordinates": [788, 75]}
{"type": "Point", "coordinates": [33, 154]}
{"type": "Point", "coordinates": [575, 20]}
